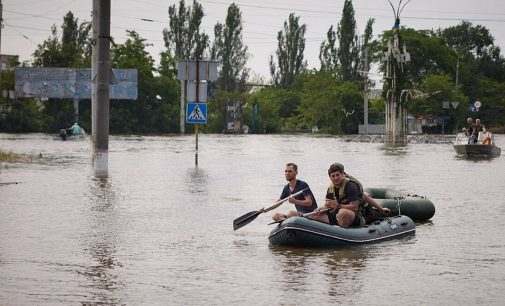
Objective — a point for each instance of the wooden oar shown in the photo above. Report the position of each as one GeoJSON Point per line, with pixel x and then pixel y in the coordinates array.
{"type": "Point", "coordinates": [247, 218]}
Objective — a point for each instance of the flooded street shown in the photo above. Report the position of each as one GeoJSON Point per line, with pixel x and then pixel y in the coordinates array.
{"type": "Point", "coordinates": [159, 231]}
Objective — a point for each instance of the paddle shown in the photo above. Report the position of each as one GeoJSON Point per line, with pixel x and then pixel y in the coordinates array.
{"type": "Point", "coordinates": [305, 215]}
{"type": "Point", "coordinates": [247, 218]}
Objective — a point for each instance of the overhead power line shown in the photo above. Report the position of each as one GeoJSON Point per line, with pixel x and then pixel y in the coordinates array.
{"type": "Point", "coordinates": [329, 12]}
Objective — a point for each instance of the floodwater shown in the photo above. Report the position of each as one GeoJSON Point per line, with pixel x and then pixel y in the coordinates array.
{"type": "Point", "coordinates": [159, 231]}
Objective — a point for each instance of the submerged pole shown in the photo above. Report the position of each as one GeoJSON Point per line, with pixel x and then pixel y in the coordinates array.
{"type": "Point", "coordinates": [100, 73]}
{"type": "Point", "coordinates": [197, 98]}
{"type": "Point", "coordinates": [76, 110]}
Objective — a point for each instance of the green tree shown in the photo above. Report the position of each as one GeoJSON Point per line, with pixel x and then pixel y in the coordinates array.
{"type": "Point", "coordinates": [167, 65]}
{"type": "Point", "coordinates": [439, 90]}
{"type": "Point", "coordinates": [490, 93]}
{"type": "Point", "coordinates": [429, 54]}
{"type": "Point", "coordinates": [348, 50]}
{"type": "Point", "coordinates": [262, 110]}
{"type": "Point", "coordinates": [466, 38]}
{"type": "Point", "coordinates": [19, 116]}
{"type": "Point", "coordinates": [229, 48]}
{"type": "Point", "coordinates": [184, 38]}
{"type": "Point", "coordinates": [156, 107]}
{"type": "Point", "coordinates": [73, 49]}
{"type": "Point", "coordinates": [476, 53]}
{"type": "Point", "coordinates": [290, 48]}
{"type": "Point", "coordinates": [325, 102]}
{"type": "Point", "coordinates": [344, 60]}
{"type": "Point", "coordinates": [217, 108]}
{"type": "Point", "coordinates": [328, 52]}
{"type": "Point", "coordinates": [367, 46]}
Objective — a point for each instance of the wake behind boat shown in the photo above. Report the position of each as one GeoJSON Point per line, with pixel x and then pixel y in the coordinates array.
{"type": "Point", "coordinates": [484, 147]}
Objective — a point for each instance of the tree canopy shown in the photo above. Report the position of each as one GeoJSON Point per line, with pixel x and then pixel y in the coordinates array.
{"type": "Point", "coordinates": [460, 63]}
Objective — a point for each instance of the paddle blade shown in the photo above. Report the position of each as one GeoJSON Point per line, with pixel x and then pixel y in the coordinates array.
{"type": "Point", "coordinates": [245, 219]}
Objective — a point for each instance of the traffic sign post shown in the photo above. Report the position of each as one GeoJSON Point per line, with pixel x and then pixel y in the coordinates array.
{"type": "Point", "coordinates": [196, 113]}
{"type": "Point", "coordinates": [192, 74]}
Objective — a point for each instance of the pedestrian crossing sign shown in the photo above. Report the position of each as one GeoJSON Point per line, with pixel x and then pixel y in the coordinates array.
{"type": "Point", "coordinates": [196, 113]}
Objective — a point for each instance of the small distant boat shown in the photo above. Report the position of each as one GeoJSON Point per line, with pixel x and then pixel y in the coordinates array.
{"type": "Point", "coordinates": [304, 232]}
{"type": "Point", "coordinates": [484, 147]}
{"type": "Point", "coordinates": [75, 132]}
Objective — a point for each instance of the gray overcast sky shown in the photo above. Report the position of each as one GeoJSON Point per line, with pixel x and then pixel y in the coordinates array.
{"type": "Point", "coordinates": [27, 22]}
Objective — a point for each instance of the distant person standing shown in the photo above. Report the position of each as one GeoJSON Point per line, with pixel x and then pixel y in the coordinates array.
{"type": "Point", "coordinates": [304, 202]}
{"type": "Point", "coordinates": [469, 129]}
{"type": "Point", "coordinates": [477, 128]}
{"type": "Point", "coordinates": [76, 130]}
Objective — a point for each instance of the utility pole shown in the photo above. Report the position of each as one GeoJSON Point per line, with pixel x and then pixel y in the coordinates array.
{"type": "Point", "coordinates": [100, 74]}
{"type": "Point", "coordinates": [396, 59]}
{"type": "Point", "coordinates": [182, 117]}
{"type": "Point", "coordinates": [457, 72]}
{"type": "Point", "coordinates": [365, 93]}
{"type": "Point", "coordinates": [1, 26]}
{"type": "Point", "coordinates": [76, 110]}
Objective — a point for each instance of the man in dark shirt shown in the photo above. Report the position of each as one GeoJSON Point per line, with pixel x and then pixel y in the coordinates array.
{"type": "Point", "coordinates": [304, 202]}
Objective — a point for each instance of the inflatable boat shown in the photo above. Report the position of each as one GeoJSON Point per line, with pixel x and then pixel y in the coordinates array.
{"type": "Point", "coordinates": [416, 207]}
{"type": "Point", "coordinates": [304, 232]}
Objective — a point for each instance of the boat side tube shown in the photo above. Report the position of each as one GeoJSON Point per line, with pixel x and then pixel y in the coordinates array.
{"type": "Point", "coordinates": [304, 232]}
{"type": "Point", "coordinates": [416, 207]}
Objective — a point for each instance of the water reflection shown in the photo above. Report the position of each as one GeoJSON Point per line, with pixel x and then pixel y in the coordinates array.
{"type": "Point", "coordinates": [344, 269]}
{"type": "Point", "coordinates": [476, 159]}
{"type": "Point", "coordinates": [394, 150]}
{"type": "Point", "coordinates": [339, 269]}
{"type": "Point", "coordinates": [295, 267]}
{"type": "Point", "coordinates": [101, 243]}
{"type": "Point", "coordinates": [197, 181]}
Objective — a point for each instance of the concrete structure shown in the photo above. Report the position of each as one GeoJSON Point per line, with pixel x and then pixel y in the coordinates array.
{"type": "Point", "coordinates": [397, 95]}
{"type": "Point", "coordinates": [100, 102]}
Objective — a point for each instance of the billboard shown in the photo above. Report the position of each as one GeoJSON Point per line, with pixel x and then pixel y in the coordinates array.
{"type": "Point", "coordinates": [71, 83]}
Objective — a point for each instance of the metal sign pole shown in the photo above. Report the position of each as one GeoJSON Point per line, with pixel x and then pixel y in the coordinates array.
{"type": "Point", "coordinates": [196, 111]}
{"type": "Point", "coordinates": [197, 100]}
{"type": "Point", "coordinates": [183, 103]}
{"type": "Point", "coordinates": [76, 110]}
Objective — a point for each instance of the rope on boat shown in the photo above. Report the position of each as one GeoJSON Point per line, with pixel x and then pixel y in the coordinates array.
{"type": "Point", "coordinates": [413, 195]}
{"type": "Point", "coordinates": [398, 204]}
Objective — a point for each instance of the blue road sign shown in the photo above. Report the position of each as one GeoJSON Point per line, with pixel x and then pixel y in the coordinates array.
{"type": "Point", "coordinates": [196, 113]}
